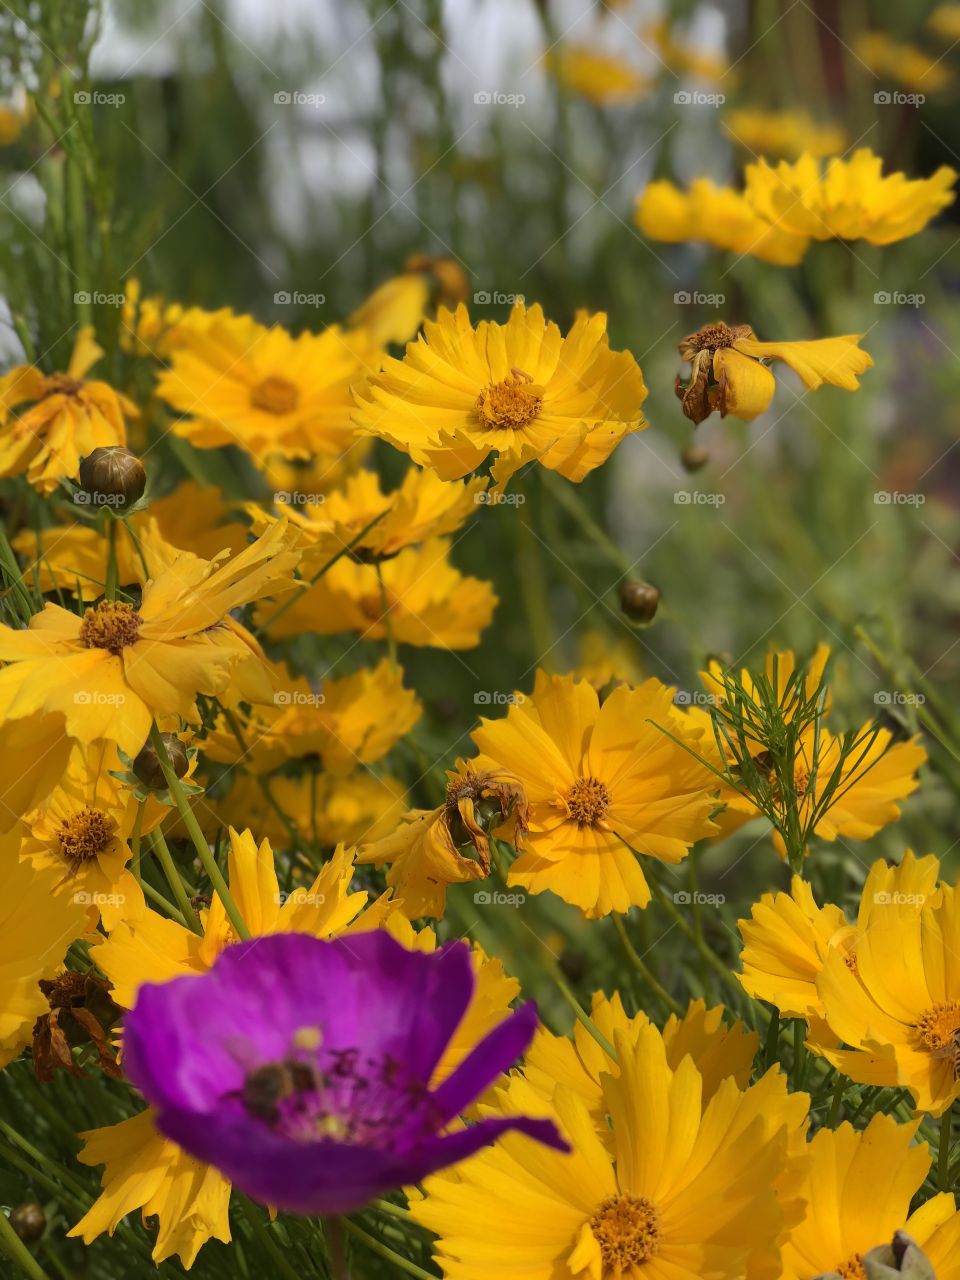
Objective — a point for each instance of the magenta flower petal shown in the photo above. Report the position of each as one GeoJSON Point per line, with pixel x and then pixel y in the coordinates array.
{"type": "Point", "coordinates": [302, 1069]}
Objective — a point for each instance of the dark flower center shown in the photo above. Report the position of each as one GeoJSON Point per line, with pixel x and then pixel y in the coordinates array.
{"type": "Point", "coordinates": [588, 800]}
{"type": "Point", "coordinates": [112, 625]}
{"type": "Point", "coordinates": [275, 395]}
{"type": "Point", "coordinates": [508, 403]}
{"type": "Point", "coordinates": [627, 1229]}
{"type": "Point", "coordinates": [84, 836]}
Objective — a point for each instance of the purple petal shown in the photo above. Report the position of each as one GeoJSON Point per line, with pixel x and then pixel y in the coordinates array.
{"type": "Point", "coordinates": [494, 1055]}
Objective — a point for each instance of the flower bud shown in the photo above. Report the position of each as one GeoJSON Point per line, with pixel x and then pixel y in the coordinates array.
{"type": "Point", "coordinates": [28, 1221]}
{"type": "Point", "coordinates": [694, 457]}
{"type": "Point", "coordinates": [147, 764]}
{"type": "Point", "coordinates": [901, 1258]}
{"type": "Point", "coordinates": [639, 601]}
{"type": "Point", "coordinates": [113, 476]}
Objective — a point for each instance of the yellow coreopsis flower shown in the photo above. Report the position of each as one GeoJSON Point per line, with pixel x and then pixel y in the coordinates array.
{"type": "Point", "coordinates": [238, 382]}
{"type": "Point", "coordinates": [397, 308]}
{"type": "Point", "coordinates": [672, 1190]}
{"type": "Point", "coordinates": [68, 416]}
{"type": "Point", "coordinates": [33, 756]}
{"type": "Point", "coordinates": [727, 372]}
{"type": "Point", "coordinates": [851, 200]}
{"type": "Point", "coordinates": [857, 1188]}
{"type": "Point", "coordinates": [604, 783]}
{"type": "Point", "coordinates": [602, 78]}
{"type": "Point", "coordinates": [520, 390]}
{"type": "Point", "coordinates": [113, 670]}
{"type": "Point", "coordinates": [434, 848]}
{"type": "Point", "coordinates": [904, 64]}
{"type": "Point", "coordinates": [783, 133]}
{"type": "Point", "coordinates": [311, 477]}
{"type": "Point", "coordinates": [418, 597]}
{"type": "Point", "coordinates": [602, 660]}
{"type": "Point", "coordinates": [720, 216]}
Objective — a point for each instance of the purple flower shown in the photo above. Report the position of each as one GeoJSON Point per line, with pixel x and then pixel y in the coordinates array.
{"type": "Point", "coordinates": [302, 1069]}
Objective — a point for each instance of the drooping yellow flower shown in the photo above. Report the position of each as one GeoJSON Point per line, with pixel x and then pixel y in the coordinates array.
{"type": "Point", "coordinates": [427, 602]}
{"type": "Point", "coordinates": [851, 200]}
{"type": "Point", "coordinates": [858, 1188]}
{"type": "Point", "coordinates": [674, 1190]}
{"type": "Point", "coordinates": [783, 133]}
{"type": "Point", "coordinates": [727, 372]}
{"type": "Point", "coordinates": [944, 21]}
{"type": "Point", "coordinates": [521, 390]}
{"type": "Point", "coordinates": [902, 63]}
{"type": "Point", "coordinates": [36, 928]}
{"type": "Point", "coordinates": [354, 720]}
{"type": "Point", "coordinates": [67, 417]}
{"type": "Point", "coordinates": [397, 308]}
{"type": "Point", "coordinates": [898, 1017]}
{"type": "Point", "coordinates": [720, 216]}
{"type": "Point", "coordinates": [434, 848]}
{"type": "Point", "coordinates": [239, 382]}
{"type": "Point", "coordinates": [112, 671]}
{"type": "Point", "coordinates": [604, 784]}
{"type": "Point", "coordinates": [602, 78]}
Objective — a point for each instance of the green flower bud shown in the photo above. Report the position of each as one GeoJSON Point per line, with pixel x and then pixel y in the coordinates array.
{"type": "Point", "coordinates": [28, 1221]}
{"type": "Point", "coordinates": [147, 764]}
{"type": "Point", "coordinates": [639, 601]}
{"type": "Point", "coordinates": [112, 477]}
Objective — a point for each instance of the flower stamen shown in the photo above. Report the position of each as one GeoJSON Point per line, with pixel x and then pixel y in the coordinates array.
{"type": "Point", "coordinates": [112, 625]}
{"type": "Point", "coordinates": [84, 836]}
{"type": "Point", "coordinates": [508, 403]}
{"type": "Point", "coordinates": [275, 395]}
{"type": "Point", "coordinates": [588, 801]}
{"type": "Point", "coordinates": [627, 1229]}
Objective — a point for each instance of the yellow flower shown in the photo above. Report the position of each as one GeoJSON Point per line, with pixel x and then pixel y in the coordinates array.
{"type": "Point", "coordinates": [152, 326]}
{"type": "Point", "coordinates": [604, 784]}
{"type": "Point", "coordinates": [36, 928]}
{"type": "Point", "coordinates": [240, 383]}
{"type": "Point", "coordinates": [33, 756]}
{"type": "Point", "coordinates": [189, 1200]}
{"type": "Point", "coordinates": [852, 200]}
{"type": "Point", "coordinates": [903, 63]}
{"type": "Point", "coordinates": [945, 22]}
{"type": "Point", "coordinates": [603, 660]}
{"type": "Point", "coordinates": [674, 1190]}
{"type": "Point", "coordinates": [719, 216]}
{"type": "Point", "coordinates": [355, 720]}
{"type": "Point", "coordinates": [113, 670]}
{"type": "Point", "coordinates": [521, 390]}
{"type": "Point", "coordinates": [397, 308]}
{"type": "Point", "coordinates": [899, 1014]}
{"type": "Point", "coordinates": [434, 848]}
{"type": "Point", "coordinates": [427, 602]}
{"type": "Point", "coordinates": [312, 477]}
{"type": "Point", "coordinates": [67, 418]}
{"type": "Point", "coordinates": [728, 374]}
{"type": "Point", "coordinates": [421, 508]}
{"type": "Point", "coordinates": [858, 1188]}
{"type": "Point", "coordinates": [602, 78]}
{"type": "Point", "coordinates": [783, 133]}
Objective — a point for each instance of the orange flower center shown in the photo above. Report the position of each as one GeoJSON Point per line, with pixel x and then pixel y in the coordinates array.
{"type": "Point", "coordinates": [939, 1029]}
{"type": "Point", "coordinates": [509, 403]}
{"type": "Point", "coordinates": [60, 384]}
{"type": "Point", "coordinates": [84, 836]}
{"type": "Point", "coordinates": [627, 1229]}
{"type": "Point", "coordinates": [588, 800]}
{"type": "Point", "coordinates": [852, 1269]}
{"type": "Point", "coordinates": [112, 625]}
{"type": "Point", "coordinates": [275, 395]}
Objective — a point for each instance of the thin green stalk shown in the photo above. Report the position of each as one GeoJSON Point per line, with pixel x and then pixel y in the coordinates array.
{"type": "Point", "coordinates": [706, 951]}
{"type": "Point", "coordinates": [173, 878]}
{"type": "Point", "coordinates": [584, 1018]}
{"type": "Point", "coordinates": [943, 1159]}
{"type": "Point", "coordinates": [264, 785]}
{"type": "Point", "coordinates": [262, 1232]}
{"type": "Point", "coordinates": [644, 971]}
{"type": "Point", "coordinates": [135, 842]}
{"type": "Point", "coordinates": [18, 1252]}
{"type": "Point", "coordinates": [112, 570]}
{"type": "Point", "coordinates": [384, 1251]}
{"type": "Point", "coordinates": [336, 1246]}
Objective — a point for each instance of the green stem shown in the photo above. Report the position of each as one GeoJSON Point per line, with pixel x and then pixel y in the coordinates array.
{"type": "Point", "coordinates": [262, 1232]}
{"type": "Point", "coordinates": [706, 951]}
{"type": "Point", "coordinates": [110, 590]}
{"type": "Point", "coordinates": [837, 1103]}
{"type": "Point", "coordinates": [165, 858]}
{"type": "Point", "coordinates": [18, 1252]}
{"type": "Point", "coordinates": [943, 1161]}
{"type": "Point", "coordinates": [135, 842]}
{"type": "Point", "coordinates": [336, 1245]}
{"type": "Point", "coordinates": [644, 971]}
{"type": "Point", "coordinates": [384, 1251]}
{"type": "Point", "coordinates": [196, 835]}
{"type": "Point", "coordinates": [584, 1018]}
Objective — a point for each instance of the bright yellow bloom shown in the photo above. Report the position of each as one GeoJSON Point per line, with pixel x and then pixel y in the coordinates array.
{"type": "Point", "coordinates": [602, 78]}
{"type": "Point", "coordinates": [719, 216]}
{"type": "Point", "coordinates": [904, 64]}
{"type": "Point", "coordinates": [674, 1190]}
{"type": "Point", "coordinates": [240, 383]}
{"type": "Point", "coordinates": [604, 784]}
{"type": "Point", "coordinates": [397, 308]}
{"type": "Point", "coordinates": [603, 660]}
{"type": "Point", "coordinates": [427, 602]}
{"type": "Point", "coordinates": [899, 1014]}
{"type": "Point", "coordinates": [851, 200]}
{"type": "Point", "coordinates": [36, 928]}
{"type": "Point", "coordinates": [152, 326]}
{"type": "Point", "coordinates": [521, 390]}
{"type": "Point", "coordinates": [33, 756]}
{"type": "Point", "coordinates": [858, 1188]}
{"type": "Point", "coordinates": [945, 21]}
{"type": "Point", "coordinates": [113, 670]}
{"type": "Point", "coordinates": [67, 418]}
{"type": "Point", "coordinates": [783, 133]}
{"type": "Point", "coordinates": [434, 848]}
{"type": "Point", "coordinates": [727, 372]}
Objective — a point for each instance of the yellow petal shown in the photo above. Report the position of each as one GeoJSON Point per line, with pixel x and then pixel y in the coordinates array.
{"type": "Point", "coordinates": [833, 360]}
{"type": "Point", "coordinates": [745, 387]}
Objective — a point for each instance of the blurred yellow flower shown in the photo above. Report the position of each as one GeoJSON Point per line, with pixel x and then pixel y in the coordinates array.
{"type": "Point", "coordinates": [683, 58]}
{"type": "Point", "coordinates": [521, 390]}
{"type": "Point", "coordinates": [850, 200]}
{"type": "Point", "coordinates": [783, 133]}
{"type": "Point", "coordinates": [397, 308]}
{"type": "Point", "coordinates": [603, 660]}
{"type": "Point", "coordinates": [944, 21]}
{"type": "Point", "coordinates": [602, 78]}
{"type": "Point", "coordinates": [904, 64]}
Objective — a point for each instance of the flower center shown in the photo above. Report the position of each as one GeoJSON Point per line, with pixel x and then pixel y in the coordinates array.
{"type": "Point", "coordinates": [588, 800]}
{"type": "Point", "coordinates": [84, 836]}
{"type": "Point", "coordinates": [112, 625]}
{"type": "Point", "coordinates": [509, 403]}
{"type": "Point", "coordinates": [60, 384]}
{"type": "Point", "coordinates": [627, 1229]}
{"type": "Point", "coordinates": [852, 1269]}
{"type": "Point", "coordinates": [939, 1029]}
{"type": "Point", "coordinates": [275, 395]}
